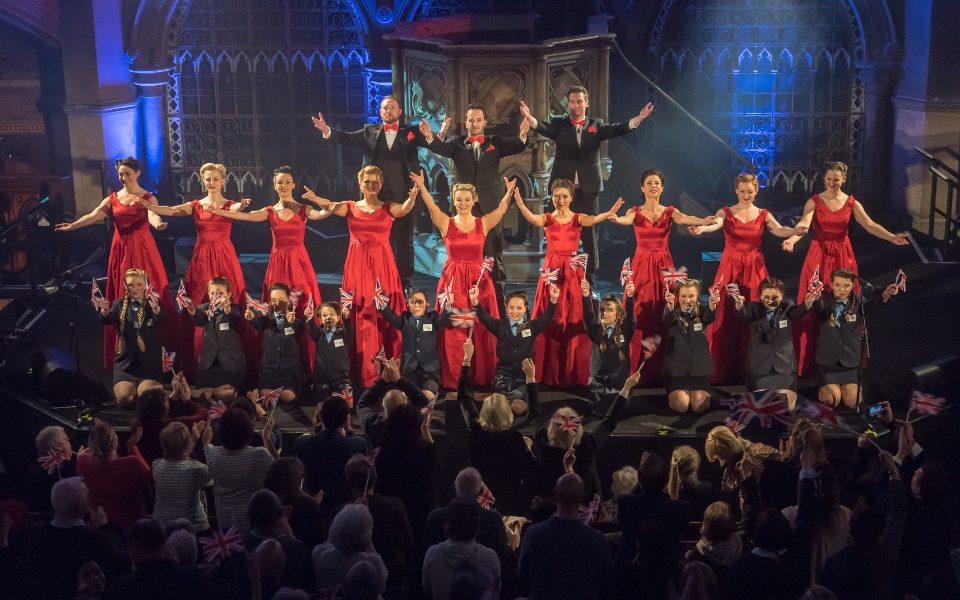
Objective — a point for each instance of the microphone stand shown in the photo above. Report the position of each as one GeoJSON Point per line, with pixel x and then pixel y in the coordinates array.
{"type": "Point", "coordinates": [866, 289]}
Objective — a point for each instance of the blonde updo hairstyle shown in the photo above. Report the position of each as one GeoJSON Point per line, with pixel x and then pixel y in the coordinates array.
{"type": "Point", "coordinates": [214, 167]}
{"type": "Point", "coordinates": [746, 178]}
{"type": "Point", "coordinates": [495, 413]}
{"type": "Point", "coordinates": [369, 170]}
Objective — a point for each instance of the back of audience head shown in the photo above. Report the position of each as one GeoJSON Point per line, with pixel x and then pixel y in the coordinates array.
{"type": "Point", "coordinates": [153, 406]}
{"type": "Point", "coordinates": [102, 440]}
{"type": "Point", "coordinates": [559, 438]}
{"type": "Point", "coordinates": [69, 498]}
{"type": "Point", "coordinates": [362, 582]}
{"type": "Point", "coordinates": [462, 519]}
{"type": "Point", "coordinates": [470, 584]}
{"type": "Point", "coordinates": [392, 399]}
{"type": "Point", "coordinates": [624, 480]}
{"type": "Point", "coordinates": [360, 474]}
{"type": "Point", "coordinates": [284, 478]}
{"type": "Point", "coordinates": [794, 444]}
{"type": "Point", "coordinates": [930, 482]}
{"type": "Point", "coordinates": [236, 429]}
{"type": "Point", "coordinates": [569, 492]}
{"type": "Point", "coordinates": [264, 510]}
{"type": "Point", "coordinates": [771, 531]}
{"type": "Point", "coordinates": [684, 467]}
{"type": "Point", "coordinates": [542, 507]}
{"type": "Point", "coordinates": [495, 413]}
{"type": "Point", "coordinates": [50, 438]}
{"type": "Point", "coordinates": [271, 558]}
{"type": "Point", "coordinates": [698, 582]}
{"type": "Point", "coordinates": [468, 483]}
{"type": "Point", "coordinates": [723, 446]}
{"type": "Point", "coordinates": [653, 474]}
{"type": "Point", "coordinates": [352, 529]}
{"type": "Point", "coordinates": [334, 413]}
{"type": "Point", "coordinates": [718, 524]}
{"type": "Point", "coordinates": [866, 525]}
{"type": "Point", "coordinates": [402, 428]}
{"type": "Point", "coordinates": [145, 541]}
{"type": "Point", "coordinates": [181, 547]}
{"type": "Point", "coordinates": [176, 441]}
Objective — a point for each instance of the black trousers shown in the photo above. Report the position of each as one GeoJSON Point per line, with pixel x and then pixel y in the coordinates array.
{"type": "Point", "coordinates": [588, 204]}
{"type": "Point", "coordinates": [401, 238]}
{"type": "Point", "coordinates": [494, 247]}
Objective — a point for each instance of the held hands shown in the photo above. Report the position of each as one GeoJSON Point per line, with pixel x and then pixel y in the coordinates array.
{"type": "Point", "coordinates": [320, 123]}
{"type": "Point", "coordinates": [694, 230]}
{"type": "Point", "coordinates": [585, 287]}
{"type": "Point", "coordinates": [711, 220]}
{"type": "Point", "coordinates": [244, 203]}
{"type": "Point", "coordinates": [474, 296]}
{"type": "Point", "coordinates": [787, 245]}
{"type": "Point", "coordinates": [800, 230]}
{"type": "Point", "coordinates": [554, 293]}
{"type": "Point", "coordinates": [630, 290]}
{"type": "Point", "coordinates": [671, 300]}
{"type": "Point", "coordinates": [511, 186]}
{"type": "Point", "coordinates": [613, 211]}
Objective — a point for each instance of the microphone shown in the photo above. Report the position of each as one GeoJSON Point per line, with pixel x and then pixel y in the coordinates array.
{"type": "Point", "coordinates": [866, 288]}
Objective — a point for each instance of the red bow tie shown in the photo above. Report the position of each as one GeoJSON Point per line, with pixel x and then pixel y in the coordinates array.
{"type": "Point", "coordinates": [475, 139]}
{"type": "Point", "coordinates": [391, 127]}
{"type": "Point", "coordinates": [579, 123]}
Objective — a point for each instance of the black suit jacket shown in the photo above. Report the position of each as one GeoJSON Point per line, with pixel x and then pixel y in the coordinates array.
{"type": "Point", "coordinates": [221, 339]}
{"type": "Point", "coordinates": [331, 362]}
{"type": "Point", "coordinates": [512, 349]}
{"type": "Point", "coordinates": [687, 350]}
{"type": "Point", "coordinates": [838, 342]}
{"type": "Point", "coordinates": [281, 350]}
{"type": "Point", "coordinates": [771, 346]}
{"type": "Point", "coordinates": [419, 342]}
{"type": "Point", "coordinates": [368, 406]}
{"type": "Point", "coordinates": [396, 163]}
{"type": "Point", "coordinates": [580, 161]}
{"type": "Point", "coordinates": [606, 366]}
{"type": "Point", "coordinates": [483, 173]}
{"type": "Point", "coordinates": [149, 357]}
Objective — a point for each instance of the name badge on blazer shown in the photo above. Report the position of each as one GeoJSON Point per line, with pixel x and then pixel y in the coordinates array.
{"type": "Point", "coordinates": [698, 326]}
{"type": "Point", "coordinates": [851, 318]}
{"type": "Point", "coordinates": [338, 342]}
{"type": "Point", "coordinates": [428, 326]}
{"type": "Point", "coordinates": [525, 333]}
{"type": "Point", "coordinates": [782, 323]}
{"type": "Point", "coordinates": [620, 339]}
{"type": "Point", "coordinates": [224, 327]}
{"type": "Point", "coordinates": [288, 331]}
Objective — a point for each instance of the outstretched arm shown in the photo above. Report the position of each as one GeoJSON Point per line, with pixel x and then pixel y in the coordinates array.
{"type": "Point", "coordinates": [591, 220]}
{"type": "Point", "coordinates": [681, 219]}
{"type": "Point", "coordinates": [698, 229]}
{"type": "Point", "coordinates": [492, 218]}
{"type": "Point", "coordinates": [180, 210]}
{"type": "Point", "coordinates": [256, 215]}
{"type": "Point", "coordinates": [627, 219]}
{"type": "Point", "coordinates": [875, 229]}
{"type": "Point", "coordinates": [401, 210]}
{"type": "Point", "coordinates": [534, 219]}
{"type": "Point", "coordinates": [336, 208]}
{"type": "Point", "coordinates": [780, 231]}
{"type": "Point", "coordinates": [804, 222]}
{"type": "Point", "coordinates": [318, 215]}
{"type": "Point", "coordinates": [94, 216]}
{"type": "Point", "coordinates": [440, 219]}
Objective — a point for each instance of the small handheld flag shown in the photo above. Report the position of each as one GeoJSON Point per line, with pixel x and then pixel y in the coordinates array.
{"type": "Point", "coordinates": [256, 306]}
{"type": "Point", "coordinates": [626, 273]}
{"type": "Point", "coordinates": [579, 261]}
{"type": "Point", "coordinates": [814, 285]}
{"type": "Point", "coordinates": [485, 267]}
{"type": "Point", "coordinates": [167, 359]}
{"type": "Point", "coordinates": [183, 300]}
{"type": "Point", "coordinates": [486, 498]}
{"type": "Point", "coordinates": [901, 280]}
{"type": "Point", "coordinates": [380, 299]}
{"type": "Point", "coordinates": [549, 276]}
{"type": "Point", "coordinates": [673, 278]}
{"type": "Point", "coordinates": [567, 423]}
{"type": "Point", "coordinates": [95, 295]}
{"type": "Point", "coordinates": [346, 299]}
{"type": "Point", "coordinates": [51, 461]}
{"type": "Point", "coordinates": [221, 545]}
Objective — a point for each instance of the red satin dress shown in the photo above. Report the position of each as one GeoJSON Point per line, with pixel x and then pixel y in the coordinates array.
{"type": "Point", "coordinates": [651, 256]}
{"type": "Point", "coordinates": [461, 272]}
{"type": "Point", "coordinates": [562, 350]}
{"type": "Point", "coordinates": [830, 249]}
{"type": "Point", "coordinates": [214, 256]}
{"type": "Point", "coordinates": [133, 247]}
{"type": "Point", "coordinates": [290, 264]}
{"type": "Point", "coordinates": [370, 258]}
{"type": "Point", "coordinates": [741, 263]}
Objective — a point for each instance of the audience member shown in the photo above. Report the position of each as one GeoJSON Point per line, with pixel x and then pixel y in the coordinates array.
{"type": "Point", "coordinates": [351, 534]}
{"type": "Point", "coordinates": [650, 501]}
{"type": "Point", "coordinates": [121, 485]}
{"type": "Point", "coordinates": [490, 533]}
{"type": "Point", "coordinates": [179, 480]}
{"type": "Point", "coordinates": [458, 552]}
{"type": "Point", "coordinates": [268, 520]}
{"type": "Point", "coordinates": [685, 483]}
{"type": "Point", "coordinates": [285, 479]}
{"type": "Point", "coordinates": [624, 481]}
{"type": "Point", "coordinates": [155, 576]}
{"type": "Point", "coordinates": [387, 393]}
{"type": "Point", "coordinates": [720, 542]}
{"type": "Point", "coordinates": [40, 481]}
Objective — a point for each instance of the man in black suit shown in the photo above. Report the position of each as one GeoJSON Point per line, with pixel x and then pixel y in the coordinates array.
{"type": "Point", "coordinates": [476, 158]}
{"type": "Point", "coordinates": [393, 148]}
{"type": "Point", "coordinates": [577, 157]}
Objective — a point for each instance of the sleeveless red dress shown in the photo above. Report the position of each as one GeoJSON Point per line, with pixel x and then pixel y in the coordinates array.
{"type": "Point", "coordinates": [562, 350]}
{"type": "Point", "coordinates": [741, 263]}
{"type": "Point", "coordinates": [133, 247]}
{"type": "Point", "coordinates": [214, 256]}
{"type": "Point", "coordinates": [290, 264]}
{"type": "Point", "coordinates": [652, 255]}
{"type": "Point", "coordinates": [460, 273]}
{"type": "Point", "coordinates": [370, 258]}
{"type": "Point", "coordinates": [830, 249]}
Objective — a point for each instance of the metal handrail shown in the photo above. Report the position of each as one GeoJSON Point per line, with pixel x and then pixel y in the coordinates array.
{"type": "Point", "coordinates": [23, 218]}
{"type": "Point", "coordinates": [942, 171]}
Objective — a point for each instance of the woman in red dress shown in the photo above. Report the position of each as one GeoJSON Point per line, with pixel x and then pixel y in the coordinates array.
{"type": "Point", "coordinates": [741, 264]}
{"type": "Point", "coordinates": [289, 262]}
{"type": "Point", "coordinates": [213, 255]}
{"type": "Point", "coordinates": [828, 214]}
{"type": "Point", "coordinates": [370, 260]}
{"type": "Point", "coordinates": [132, 248]}
{"type": "Point", "coordinates": [652, 223]}
{"type": "Point", "coordinates": [464, 236]}
{"type": "Point", "coordinates": [562, 351]}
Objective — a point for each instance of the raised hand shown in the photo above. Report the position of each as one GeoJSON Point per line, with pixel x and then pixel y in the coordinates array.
{"type": "Point", "coordinates": [738, 301]}
{"type": "Point", "coordinates": [584, 287]}
{"type": "Point", "coordinates": [425, 129]}
{"type": "Point", "coordinates": [474, 296]}
{"type": "Point", "coordinates": [136, 434]}
{"type": "Point", "coordinates": [616, 206]}
{"type": "Point", "coordinates": [244, 203]}
{"type": "Point", "coordinates": [103, 305]}
{"type": "Point", "coordinates": [554, 293]}
{"type": "Point", "coordinates": [418, 179]}
{"type": "Point", "coordinates": [569, 459]}
{"type": "Point", "coordinates": [645, 112]}
{"type": "Point", "coordinates": [442, 134]}
{"type": "Point", "coordinates": [529, 369]}
{"type": "Point", "coordinates": [670, 299]}
{"type": "Point", "coordinates": [517, 197]}
{"type": "Point", "coordinates": [310, 196]}
{"type": "Point", "coordinates": [320, 123]}
{"type": "Point", "coordinates": [510, 184]}
{"type": "Point", "coordinates": [525, 111]}
{"type": "Point", "coordinates": [308, 313]}
{"type": "Point", "coordinates": [524, 129]}
{"type": "Point", "coordinates": [291, 316]}
{"type": "Point", "coordinates": [630, 290]}
{"type": "Point", "coordinates": [468, 349]}
{"type": "Point", "coordinates": [714, 298]}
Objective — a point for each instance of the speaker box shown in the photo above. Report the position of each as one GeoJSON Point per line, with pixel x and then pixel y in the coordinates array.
{"type": "Point", "coordinates": [939, 378]}
{"type": "Point", "coordinates": [61, 385]}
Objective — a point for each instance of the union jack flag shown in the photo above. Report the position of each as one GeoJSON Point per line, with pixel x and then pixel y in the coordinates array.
{"type": "Point", "coordinates": [767, 408]}
{"type": "Point", "coordinates": [578, 261]}
{"type": "Point", "coordinates": [626, 273]}
{"type": "Point", "coordinates": [926, 404]}
{"type": "Point", "coordinates": [167, 359]}
{"type": "Point", "coordinates": [548, 276]}
{"type": "Point", "coordinates": [183, 300]}
{"type": "Point", "coordinates": [462, 317]}
{"type": "Point", "coordinates": [650, 345]}
{"type": "Point", "coordinates": [485, 267]}
{"type": "Point", "coordinates": [589, 512]}
{"type": "Point", "coordinates": [735, 426]}
{"type": "Point", "coordinates": [380, 299]}
{"type": "Point", "coordinates": [815, 286]}
{"type": "Point", "coordinates": [346, 394]}
{"type": "Point", "coordinates": [51, 461]}
{"type": "Point", "coordinates": [715, 288]}
{"type": "Point", "coordinates": [151, 292]}
{"type": "Point", "coordinates": [257, 306]}
{"type": "Point", "coordinates": [295, 299]}
{"type": "Point", "coordinates": [216, 410]}
{"type": "Point", "coordinates": [95, 294]}
{"type": "Point", "coordinates": [381, 356]}
{"type": "Point", "coordinates": [216, 299]}
{"type": "Point", "coordinates": [309, 305]}
{"type": "Point", "coordinates": [443, 298]}
{"type": "Point", "coordinates": [486, 498]}
{"type": "Point", "coordinates": [346, 299]}
{"type": "Point", "coordinates": [426, 410]}
{"type": "Point", "coordinates": [567, 423]}
{"type": "Point", "coordinates": [901, 280]}
{"type": "Point", "coordinates": [221, 545]}
{"type": "Point", "coordinates": [269, 400]}
{"type": "Point", "coordinates": [673, 278]}
{"type": "Point", "coordinates": [819, 412]}
{"type": "Point", "coordinates": [733, 290]}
